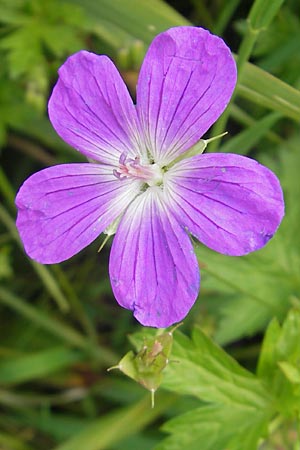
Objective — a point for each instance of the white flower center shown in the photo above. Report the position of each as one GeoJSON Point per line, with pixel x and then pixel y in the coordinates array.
{"type": "Point", "coordinates": [151, 174]}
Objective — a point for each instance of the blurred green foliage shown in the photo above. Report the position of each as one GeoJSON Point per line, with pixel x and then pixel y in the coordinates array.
{"type": "Point", "coordinates": [60, 327]}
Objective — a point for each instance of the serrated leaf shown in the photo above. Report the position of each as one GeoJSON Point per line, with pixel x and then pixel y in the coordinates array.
{"type": "Point", "coordinates": [43, 25]}
{"type": "Point", "coordinates": [240, 404]}
{"type": "Point", "coordinates": [267, 357]}
{"type": "Point", "coordinates": [291, 371]}
{"type": "Point", "coordinates": [204, 370]}
{"type": "Point", "coordinates": [279, 362]}
{"type": "Point", "coordinates": [23, 50]}
{"type": "Point", "coordinates": [280, 344]}
{"type": "Point", "coordinates": [214, 427]}
{"type": "Point", "coordinates": [61, 40]}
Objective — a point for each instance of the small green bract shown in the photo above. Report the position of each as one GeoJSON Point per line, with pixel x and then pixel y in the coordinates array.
{"type": "Point", "coordinates": [146, 367]}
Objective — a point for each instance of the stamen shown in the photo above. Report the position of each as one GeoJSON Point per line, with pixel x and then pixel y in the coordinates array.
{"type": "Point", "coordinates": [134, 169]}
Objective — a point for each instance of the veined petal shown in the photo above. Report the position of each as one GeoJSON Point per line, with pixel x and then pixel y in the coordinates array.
{"type": "Point", "coordinates": [63, 208]}
{"type": "Point", "coordinates": [231, 203]}
{"type": "Point", "coordinates": [153, 268]}
{"type": "Point", "coordinates": [91, 109]}
{"type": "Point", "coordinates": [185, 83]}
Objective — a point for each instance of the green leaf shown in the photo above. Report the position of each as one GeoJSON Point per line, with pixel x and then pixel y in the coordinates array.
{"type": "Point", "coordinates": [267, 361]}
{"type": "Point", "coordinates": [240, 404]}
{"type": "Point", "coordinates": [263, 12]}
{"type": "Point", "coordinates": [120, 22]}
{"type": "Point", "coordinates": [214, 427]}
{"type": "Point", "coordinates": [291, 371]}
{"type": "Point", "coordinates": [269, 92]}
{"type": "Point", "coordinates": [37, 365]}
{"type": "Point", "coordinates": [110, 429]}
{"type": "Point", "coordinates": [280, 344]}
{"type": "Point", "coordinates": [279, 360]}
{"type": "Point", "coordinates": [60, 426]}
{"type": "Point", "coordinates": [246, 140]}
{"type": "Point", "coordinates": [40, 25]}
{"type": "Point", "coordinates": [204, 370]}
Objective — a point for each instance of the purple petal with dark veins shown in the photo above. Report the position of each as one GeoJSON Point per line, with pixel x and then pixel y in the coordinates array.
{"type": "Point", "coordinates": [91, 109]}
{"type": "Point", "coordinates": [185, 83]}
{"type": "Point", "coordinates": [153, 268]}
{"type": "Point", "coordinates": [231, 203]}
{"type": "Point", "coordinates": [64, 208]}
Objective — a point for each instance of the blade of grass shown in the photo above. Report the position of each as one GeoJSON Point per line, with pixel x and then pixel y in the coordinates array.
{"type": "Point", "coordinates": [22, 401]}
{"type": "Point", "coordinates": [106, 431]}
{"type": "Point", "coordinates": [244, 141]}
{"type": "Point", "coordinates": [242, 117]}
{"type": "Point", "coordinates": [226, 12]}
{"type": "Point", "coordinates": [102, 355]}
{"type": "Point", "coordinates": [263, 88]}
{"type": "Point", "coordinates": [260, 16]}
{"type": "Point", "coordinates": [6, 189]}
{"type": "Point", "coordinates": [39, 364]}
{"type": "Point", "coordinates": [138, 19]}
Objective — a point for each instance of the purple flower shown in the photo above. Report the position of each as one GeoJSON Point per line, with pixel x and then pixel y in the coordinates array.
{"type": "Point", "coordinates": [141, 178]}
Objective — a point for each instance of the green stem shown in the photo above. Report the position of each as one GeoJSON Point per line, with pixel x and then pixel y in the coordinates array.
{"type": "Point", "coordinates": [29, 148]}
{"type": "Point", "coordinates": [77, 307]}
{"type": "Point", "coordinates": [226, 12]}
{"type": "Point", "coordinates": [6, 189]}
{"type": "Point", "coordinates": [240, 116]}
{"type": "Point", "coordinates": [243, 56]}
{"type": "Point", "coordinates": [56, 327]}
{"type": "Point", "coordinates": [41, 319]}
{"type": "Point", "coordinates": [9, 397]}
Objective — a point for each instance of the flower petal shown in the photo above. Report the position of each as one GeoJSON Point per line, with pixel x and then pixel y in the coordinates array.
{"type": "Point", "coordinates": [91, 109]}
{"type": "Point", "coordinates": [231, 203]}
{"type": "Point", "coordinates": [185, 83]}
{"type": "Point", "coordinates": [153, 268]}
{"type": "Point", "coordinates": [64, 208]}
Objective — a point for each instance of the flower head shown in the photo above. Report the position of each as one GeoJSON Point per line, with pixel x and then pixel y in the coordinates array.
{"type": "Point", "coordinates": [140, 178]}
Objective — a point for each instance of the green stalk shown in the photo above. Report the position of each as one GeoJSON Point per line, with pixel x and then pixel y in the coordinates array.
{"type": "Point", "coordinates": [56, 327]}
{"type": "Point", "coordinates": [240, 116]}
{"type": "Point", "coordinates": [6, 189]}
{"type": "Point", "coordinates": [77, 307]}
{"type": "Point", "coordinates": [226, 12]}
{"type": "Point", "coordinates": [42, 319]}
